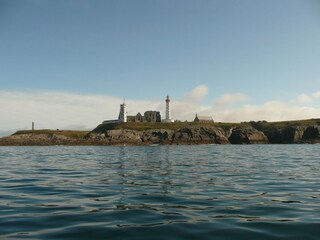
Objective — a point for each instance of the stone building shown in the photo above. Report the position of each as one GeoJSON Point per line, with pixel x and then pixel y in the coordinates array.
{"type": "Point", "coordinates": [149, 116]}
{"type": "Point", "coordinates": [136, 118]}
{"type": "Point", "coordinates": [203, 119]}
{"type": "Point", "coordinates": [152, 116]}
{"type": "Point", "coordinates": [139, 117]}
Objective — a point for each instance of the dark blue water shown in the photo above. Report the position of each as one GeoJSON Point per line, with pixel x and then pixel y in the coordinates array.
{"type": "Point", "coordinates": [160, 192]}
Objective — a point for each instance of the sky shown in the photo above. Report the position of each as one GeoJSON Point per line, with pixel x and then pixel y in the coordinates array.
{"type": "Point", "coordinates": [68, 64]}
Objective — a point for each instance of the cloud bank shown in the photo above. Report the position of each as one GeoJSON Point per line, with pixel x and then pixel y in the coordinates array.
{"type": "Point", "coordinates": [228, 99]}
{"type": "Point", "coordinates": [62, 110]}
{"type": "Point", "coordinates": [197, 94]}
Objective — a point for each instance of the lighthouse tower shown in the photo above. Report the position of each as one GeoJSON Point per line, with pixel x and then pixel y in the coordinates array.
{"type": "Point", "coordinates": [168, 111]}
{"type": "Point", "coordinates": [123, 113]}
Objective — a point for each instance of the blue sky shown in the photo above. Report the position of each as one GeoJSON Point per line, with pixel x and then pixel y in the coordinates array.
{"type": "Point", "coordinates": [144, 49]}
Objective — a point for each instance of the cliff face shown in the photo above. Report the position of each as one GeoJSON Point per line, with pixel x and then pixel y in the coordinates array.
{"type": "Point", "coordinates": [247, 136]}
{"type": "Point", "coordinates": [200, 135]}
{"type": "Point", "coordinates": [311, 134]}
{"type": "Point", "coordinates": [294, 134]}
{"type": "Point", "coordinates": [286, 135]}
{"type": "Point", "coordinates": [185, 135]}
{"type": "Point", "coordinates": [171, 134]}
{"type": "Point", "coordinates": [205, 134]}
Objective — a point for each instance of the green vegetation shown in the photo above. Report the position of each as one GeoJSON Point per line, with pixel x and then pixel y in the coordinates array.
{"type": "Point", "coordinates": [138, 126]}
{"type": "Point", "coordinates": [68, 133]}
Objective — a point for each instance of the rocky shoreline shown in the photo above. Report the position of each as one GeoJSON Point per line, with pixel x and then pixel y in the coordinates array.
{"type": "Point", "coordinates": [185, 135]}
{"type": "Point", "coordinates": [251, 133]}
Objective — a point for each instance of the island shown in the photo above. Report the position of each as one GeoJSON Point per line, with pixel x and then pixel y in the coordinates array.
{"type": "Point", "coordinates": [174, 133]}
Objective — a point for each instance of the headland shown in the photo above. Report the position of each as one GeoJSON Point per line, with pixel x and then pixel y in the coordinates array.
{"type": "Point", "coordinates": [174, 133]}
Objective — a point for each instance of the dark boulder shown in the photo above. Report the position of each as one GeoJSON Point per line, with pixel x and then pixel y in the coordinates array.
{"type": "Point", "coordinates": [247, 135]}
{"type": "Point", "coordinates": [154, 136]}
{"type": "Point", "coordinates": [292, 134]}
{"type": "Point", "coordinates": [311, 134]}
{"type": "Point", "coordinates": [200, 135]}
{"type": "Point", "coordinates": [286, 135]}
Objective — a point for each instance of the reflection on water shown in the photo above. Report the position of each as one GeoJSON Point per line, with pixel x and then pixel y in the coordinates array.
{"type": "Point", "coordinates": [160, 192]}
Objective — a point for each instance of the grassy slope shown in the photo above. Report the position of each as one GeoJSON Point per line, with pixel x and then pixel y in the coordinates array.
{"type": "Point", "coordinates": [172, 126]}
{"type": "Point", "coordinates": [68, 133]}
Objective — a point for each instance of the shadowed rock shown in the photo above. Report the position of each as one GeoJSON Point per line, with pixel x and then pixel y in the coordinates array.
{"type": "Point", "coordinates": [247, 135]}
{"type": "Point", "coordinates": [312, 134]}
{"type": "Point", "coordinates": [200, 135]}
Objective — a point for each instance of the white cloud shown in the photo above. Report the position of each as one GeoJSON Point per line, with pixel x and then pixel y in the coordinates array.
{"type": "Point", "coordinates": [62, 110]}
{"type": "Point", "coordinates": [304, 98]}
{"type": "Point", "coordinates": [228, 99]}
{"type": "Point", "coordinates": [307, 98]}
{"type": "Point", "coordinates": [316, 95]}
{"type": "Point", "coordinates": [270, 111]}
{"type": "Point", "coordinates": [197, 94]}
{"type": "Point", "coordinates": [223, 111]}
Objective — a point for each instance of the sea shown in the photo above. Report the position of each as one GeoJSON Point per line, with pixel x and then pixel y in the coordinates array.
{"type": "Point", "coordinates": [160, 192]}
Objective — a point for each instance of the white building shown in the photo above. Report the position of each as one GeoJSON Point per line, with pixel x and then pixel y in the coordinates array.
{"type": "Point", "coordinates": [122, 115]}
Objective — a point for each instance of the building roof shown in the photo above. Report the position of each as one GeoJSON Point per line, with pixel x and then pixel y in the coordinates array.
{"type": "Point", "coordinates": [205, 118]}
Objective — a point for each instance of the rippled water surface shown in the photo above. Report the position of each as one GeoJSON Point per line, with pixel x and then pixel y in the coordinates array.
{"type": "Point", "coordinates": [160, 192]}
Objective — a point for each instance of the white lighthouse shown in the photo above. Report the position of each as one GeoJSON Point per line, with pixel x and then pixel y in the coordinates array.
{"type": "Point", "coordinates": [123, 113]}
{"type": "Point", "coordinates": [168, 111]}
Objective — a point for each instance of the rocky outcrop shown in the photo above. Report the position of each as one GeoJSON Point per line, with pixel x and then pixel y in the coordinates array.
{"type": "Point", "coordinates": [191, 135]}
{"type": "Point", "coordinates": [200, 135]}
{"type": "Point", "coordinates": [311, 134]}
{"type": "Point", "coordinates": [247, 135]}
{"type": "Point", "coordinates": [184, 135]}
{"type": "Point", "coordinates": [157, 136]}
{"type": "Point", "coordinates": [188, 134]}
{"type": "Point", "coordinates": [287, 135]}
{"type": "Point", "coordinates": [114, 137]}
{"type": "Point", "coordinates": [294, 134]}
